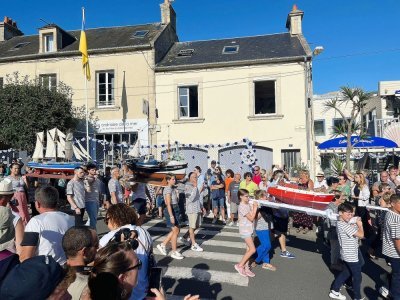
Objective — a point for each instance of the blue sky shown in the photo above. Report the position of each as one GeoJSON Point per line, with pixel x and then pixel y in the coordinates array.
{"type": "Point", "coordinates": [360, 37]}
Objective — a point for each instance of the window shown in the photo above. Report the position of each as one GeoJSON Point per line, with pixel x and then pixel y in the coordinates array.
{"type": "Point", "coordinates": [290, 159]}
{"type": "Point", "coordinates": [340, 126]}
{"type": "Point", "coordinates": [105, 88]}
{"type": "Point", "coordinates": [264, 97]}
{"type": "Point", "coordinates": [140, 33]}
{"type": "Point", "coordinates": [48, 42]}
{"type": "Point", "coordinates": [1, 82]}
{"type": "Point", "coordinates": [185, 52]}
{"type": "Point", "coordinates": [188, 102]}
{"type": "Point", "coordinates": [230, 49]}
{"type": "Point", "coordinates": [49, 81]}
{"type": "Point", "coordinates": [319, 127]}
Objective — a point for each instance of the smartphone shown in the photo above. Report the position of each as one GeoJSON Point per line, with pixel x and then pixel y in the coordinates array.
{"type": "Point", "coordinates": [154, 280]}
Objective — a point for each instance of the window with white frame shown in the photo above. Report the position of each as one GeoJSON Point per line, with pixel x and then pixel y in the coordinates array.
{"type": "Point", "coordinates": [188, 101]}
{"type": "Point", "coordinates": [48, 42]}
{"type": "Point", "coordinates": [105, 88]}
{"type": "Point", "coordinates": [319, 127]}
{"type": "Point", "coordinates": [264, 97]}
{"type": "Point", "coordinates": [48, 81]}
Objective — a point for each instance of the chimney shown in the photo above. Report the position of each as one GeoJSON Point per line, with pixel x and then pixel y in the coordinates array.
{"type": "Point", "coordinates": [8, 29]}
{"type": "Point", "coordinates": [293, 22]}
{"type": "Point", "coordinates": [168, 15]}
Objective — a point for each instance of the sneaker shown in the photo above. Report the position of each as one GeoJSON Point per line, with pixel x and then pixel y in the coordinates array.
{"type": "Point", "coordinates": [162, 249]}
{"type": "Point", "coordinates": [176, 255]}
{"type": "Point", "coordinates": [248, 272]}
{"type": "Point", "coordinates": [223, 221]}
{"type": "Point", "coordinates": [196, 248]}
{"type": "Point", "coordinates": [210, 215]}
{"type": "Point", "coordinates": [240, 270]}
{"type": "Point", "coordinates": [184, 241]}
{"type": "Point", "coordinates": [236, 224]}
{"type": "Point", "coordinates": [347, 286]}
{"type": "Point", "coordinates": [287, 254]}
{"type": "Point", "coordinates": [384, 292]}
{"type": "Point", "coordinates": [214, 220]}
{"type": "Point", "coordinates": [231, 224]}
{"type": "Point", "coordinates": [336, 295]}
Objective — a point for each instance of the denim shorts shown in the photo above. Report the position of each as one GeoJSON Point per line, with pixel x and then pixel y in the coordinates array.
{"type": "Point", "coordinates": [159, 201]}
{"type": "Point", "coordinates": [176, 214]}
{"type": "Point", "coordinates": [218, 202]}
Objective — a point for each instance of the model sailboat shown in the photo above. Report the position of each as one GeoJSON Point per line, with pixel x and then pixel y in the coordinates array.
{"type": "Point", "coordinates": [147, 168]}
{"type": "Point", "coordinates": [58, 147]}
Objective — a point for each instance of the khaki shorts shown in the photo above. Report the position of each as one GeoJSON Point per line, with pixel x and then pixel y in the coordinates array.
{"type": "Point", "coordinates": [234, 208]}
{"type": "Point", "coordinates": [194, 220]}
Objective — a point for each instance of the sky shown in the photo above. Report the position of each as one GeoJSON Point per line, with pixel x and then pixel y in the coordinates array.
{"type": "Point", "coordinates": [360, 37]}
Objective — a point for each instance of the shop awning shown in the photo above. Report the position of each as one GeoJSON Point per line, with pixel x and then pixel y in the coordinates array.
{"type": "Point", "coordinates": [371, 142]}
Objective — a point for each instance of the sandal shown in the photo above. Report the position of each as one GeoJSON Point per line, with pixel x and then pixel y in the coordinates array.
{"type": "Point", "coordinates": [268, 267]}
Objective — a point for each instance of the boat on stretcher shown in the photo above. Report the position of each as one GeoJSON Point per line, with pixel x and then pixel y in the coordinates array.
{"type": "Point", "coordinates": [298, 197]}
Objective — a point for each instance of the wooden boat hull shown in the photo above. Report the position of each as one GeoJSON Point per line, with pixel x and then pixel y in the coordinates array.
{"type": "Point", "coordinates": [299, 197]}
{"type": "Point", "coordinates": [54, 167]}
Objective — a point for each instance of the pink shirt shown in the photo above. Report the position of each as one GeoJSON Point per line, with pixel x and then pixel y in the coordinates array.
{"type": "Point", "coordinates": [257, 179]}
{"type": "Point", "coordinates": [246, 226]}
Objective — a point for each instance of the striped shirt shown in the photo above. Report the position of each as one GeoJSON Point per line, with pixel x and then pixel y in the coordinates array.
{"type": "Point", "coordinates": [172, 192]}
{"type": "Point", "coordinates": [391, 232]}
{"type": "Point", "coordinates": [348, 242]}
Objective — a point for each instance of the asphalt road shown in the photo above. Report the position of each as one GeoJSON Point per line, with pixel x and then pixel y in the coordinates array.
{"type": "Point", "coordinates": [211, 273]}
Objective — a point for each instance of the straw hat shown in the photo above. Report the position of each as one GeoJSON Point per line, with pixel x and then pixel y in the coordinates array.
{"type": "Point", "coordinates": [6, 187]}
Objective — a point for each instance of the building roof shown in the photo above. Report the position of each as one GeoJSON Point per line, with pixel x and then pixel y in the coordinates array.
{"type": "Point", "coordinates": [252, 50]}
{"type": "Point", "coordinates": [98, 39]}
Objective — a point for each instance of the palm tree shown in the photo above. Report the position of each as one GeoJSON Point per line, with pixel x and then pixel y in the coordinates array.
{"type": "Point", "coordinates": [357, 98]}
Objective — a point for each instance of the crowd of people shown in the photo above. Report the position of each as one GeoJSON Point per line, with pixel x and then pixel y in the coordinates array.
{"type": "Point", "coordinates": [65, 246]}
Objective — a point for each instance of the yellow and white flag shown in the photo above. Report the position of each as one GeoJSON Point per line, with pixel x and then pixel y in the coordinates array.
{"type": "Point", "coordinates": [83, 48]}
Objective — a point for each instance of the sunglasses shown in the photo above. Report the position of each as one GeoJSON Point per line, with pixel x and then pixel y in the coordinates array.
{"type": "Point", "coordinates": [137, 266]}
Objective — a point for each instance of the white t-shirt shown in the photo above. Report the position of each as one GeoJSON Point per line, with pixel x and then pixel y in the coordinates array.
{"type": "Point", "coordinates": [51, 227]}
{"type": "Point", "coordinates": [145, 244]}
{"type": "Point", "coordinates": [318, 184]}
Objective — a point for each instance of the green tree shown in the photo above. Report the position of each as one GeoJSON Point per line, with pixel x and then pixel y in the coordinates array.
{"type": "Point", "coordinates": [27, 107]}
{"type": "Point", "coordinates": [356, 99]}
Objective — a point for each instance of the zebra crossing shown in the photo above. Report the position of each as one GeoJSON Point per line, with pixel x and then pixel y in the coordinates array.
{"type": "Point", "coordinates": [222, 246]}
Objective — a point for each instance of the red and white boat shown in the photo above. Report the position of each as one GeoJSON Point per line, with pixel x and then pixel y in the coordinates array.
{"type": "Point", "coordinates": [294, 196]}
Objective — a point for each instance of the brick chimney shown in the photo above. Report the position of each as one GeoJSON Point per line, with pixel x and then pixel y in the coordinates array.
{"type": "Point", "coordinates": [8, 29]}
{"type": "Point", "coordinates": [168, 15]}
{"type": "Point", "coordinates": [293, 22]}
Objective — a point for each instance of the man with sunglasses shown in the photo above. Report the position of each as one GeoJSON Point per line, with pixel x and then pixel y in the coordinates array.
{"type": "Point", "coordinates": [80, 244]}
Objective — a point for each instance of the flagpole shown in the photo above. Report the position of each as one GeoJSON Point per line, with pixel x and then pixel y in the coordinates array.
{"type": "Point", "coordinates": [86, 95]}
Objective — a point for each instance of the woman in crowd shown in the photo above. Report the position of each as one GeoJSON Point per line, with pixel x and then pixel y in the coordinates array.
{"type": "Point", "coordinates": [120, 216]}
{"type": "Point", "coordinates": [20, 185]}
{"type": "Point", "coordinates": [160, 201]}
{"type": "Point", "coordinates": [360, 196]}
{"type": "Point", "coordinates": [263, 185]}
{"type": "Point", "coordinates": [172, 214]}
{"type": "Point", "coordinates": [247, 214]}
{"type": "Point", "coordinates": [248, 184]}
{"type": "Point", "coordinates": [218, 198]}
{"type": "Point", "coordinates": [228, 179]}
{"type": "Point", "coordinates": [302, 221]}
{"type": "Point", "coordinates": [344, 187]}
{"type": "Point", "coordinates": [264, 225]}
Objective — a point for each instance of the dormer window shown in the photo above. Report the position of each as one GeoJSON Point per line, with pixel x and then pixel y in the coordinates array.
{"type": "Point", "coordinates": [230, 49]}
{"type": "Point", "coordinates": [48, 42]}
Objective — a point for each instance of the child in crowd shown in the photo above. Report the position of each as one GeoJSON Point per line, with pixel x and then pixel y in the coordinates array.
{"type": "Point", "coordinates": [349, 231]}
{"type": "Point", "coordinates": [264, 225]}
{"type": "Point", "coordinates": [247, 214]}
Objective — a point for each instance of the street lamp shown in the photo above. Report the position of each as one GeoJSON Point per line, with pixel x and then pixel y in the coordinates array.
{"type": "Point", "coordinates": [310, 115]}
